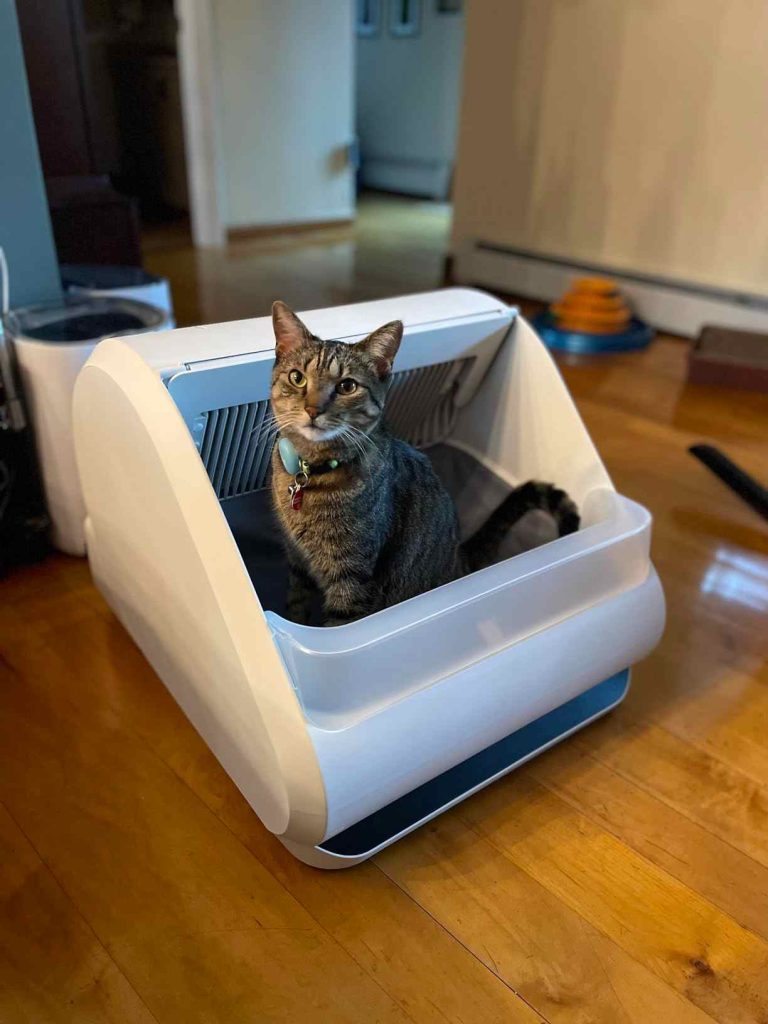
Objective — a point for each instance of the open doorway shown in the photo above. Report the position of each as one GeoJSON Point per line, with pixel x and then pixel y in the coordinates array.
{"type": "Point", "coordinates": [408, 84]}
{"type": "Point", "coordinates": [106, 98]}
{"type": "Point", "coordinates": [142, 65]}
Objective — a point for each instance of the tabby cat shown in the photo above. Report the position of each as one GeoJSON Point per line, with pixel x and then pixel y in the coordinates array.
{"type": "Point", "coordinates": [365, 519]}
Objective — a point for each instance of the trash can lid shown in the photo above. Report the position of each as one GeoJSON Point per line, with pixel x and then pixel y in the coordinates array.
{"type": "Point", "coordinates": [87, 319]}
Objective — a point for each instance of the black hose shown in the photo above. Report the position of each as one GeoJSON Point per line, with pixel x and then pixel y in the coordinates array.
{"type": "Point", "coordinates": [742, 483]}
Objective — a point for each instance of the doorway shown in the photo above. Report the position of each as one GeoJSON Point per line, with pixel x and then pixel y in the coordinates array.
{"type": "Point", "coordinates": [106, 98]}
{"type": "Point", "coordinates": [142, 67]}
{"type": "Point", "coordinates": [408, 83]}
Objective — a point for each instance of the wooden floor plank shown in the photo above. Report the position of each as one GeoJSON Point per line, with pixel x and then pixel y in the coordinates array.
{"type": "Point", "coordinates": [719, 798]}
{"type": "Point", "coordinates": [52, 967]}
{"type": "Point", "coordinates": [414, 957]}
{"type": "Point", "coordinates": [701, 952]}
{"type": "Point", "coordinates": [154, 872]}
{"type": "Point", "coordinates": [559, 961]}
{"type": "Point", "coordinates": [728, 878]}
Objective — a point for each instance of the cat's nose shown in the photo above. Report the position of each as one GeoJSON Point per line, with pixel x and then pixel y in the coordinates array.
{"type": "Point", "coordinates": [311, 411]}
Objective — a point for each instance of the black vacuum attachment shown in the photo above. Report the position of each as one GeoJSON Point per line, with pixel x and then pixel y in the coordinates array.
{"type": "Point", "coordinates": [24, 522]}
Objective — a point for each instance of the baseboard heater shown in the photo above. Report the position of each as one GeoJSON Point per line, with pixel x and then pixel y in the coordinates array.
{"type": "Point", "coordinates": [682, 307]}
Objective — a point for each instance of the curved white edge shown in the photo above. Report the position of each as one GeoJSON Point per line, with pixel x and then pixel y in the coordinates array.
{"type": "Point", "coordinates": [526, 595]}
{"type": "Point", "coordinates": [188, 345]}
{"type": "Point", "coordinates": [162, 552]}
{"type": "Point", "coordinates": [627, 520]}
{"type": "Point", "coordinates": [536, 426]}
{"type": "Point", "coordinates": [316, 857]}
{"type": "Point", "coordinates": [433, 729]}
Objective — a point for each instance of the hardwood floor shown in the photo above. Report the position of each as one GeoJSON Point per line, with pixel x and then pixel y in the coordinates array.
{"type": "Point", "coordinates": [621, 878]}
{"type": "Point", "coordinates": [396, 246]}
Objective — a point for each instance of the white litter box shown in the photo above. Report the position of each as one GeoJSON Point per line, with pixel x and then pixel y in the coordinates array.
{"type": "Point", "coordinates": [345, 739]}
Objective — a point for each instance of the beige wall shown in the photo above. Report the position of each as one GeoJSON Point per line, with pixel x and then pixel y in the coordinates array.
{"type": "Point", "coordinates": [631, 133]}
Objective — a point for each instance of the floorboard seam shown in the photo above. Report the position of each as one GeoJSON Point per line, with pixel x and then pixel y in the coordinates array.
{"type": "Point", "coordinates": [59, 885]}
{"type": "Point", "coordinates": [463, 945]}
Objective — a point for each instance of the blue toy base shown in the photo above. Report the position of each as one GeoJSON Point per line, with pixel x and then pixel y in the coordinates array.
{"type": "Point", "coordinates": [637, 336]}
{"type": "Point", "coordinates": [417, 807]}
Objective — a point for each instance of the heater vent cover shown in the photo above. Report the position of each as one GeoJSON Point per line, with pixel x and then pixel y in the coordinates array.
{"type": "Point", "coordinates": [237, 440]}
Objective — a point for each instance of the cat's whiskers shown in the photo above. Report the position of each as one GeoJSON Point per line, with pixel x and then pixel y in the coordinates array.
{"type": "Point", "coordinates": [361, 434]}
{"type": "Point", "coordinates": [365, 443]}
{"type": "Point", "coordinates": [349, 436]}
{"type": "Point", "coordinates": [265, 435]}
{"type": "Point", "coordinates": [266, 427]}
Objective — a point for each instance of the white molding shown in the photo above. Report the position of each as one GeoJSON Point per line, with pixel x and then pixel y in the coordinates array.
{"type": "Point", "coordinates": [675, 306]}
{"type": "Point", "coordinates": [199, 98]}
{"type": "Point", "coordinates": [428, 178]}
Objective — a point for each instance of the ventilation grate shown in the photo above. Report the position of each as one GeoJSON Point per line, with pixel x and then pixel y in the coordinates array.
{"type": "Point", "coordinates": [237, 441]}
{"type": "Point", "coordinates": [236, 448]}
{"type": "Point", "coordinates": [420, 404]}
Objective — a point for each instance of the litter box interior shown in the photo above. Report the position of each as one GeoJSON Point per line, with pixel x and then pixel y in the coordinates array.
{"type": "Point", "coordinates": [235, 442]}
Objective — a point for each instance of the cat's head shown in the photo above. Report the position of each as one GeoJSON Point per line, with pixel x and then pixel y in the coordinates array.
{"type": "Point", "coordinates": [326, 391]}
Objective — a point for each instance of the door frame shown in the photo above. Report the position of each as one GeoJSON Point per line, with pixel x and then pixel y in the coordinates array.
{"type": "Point", "coordinates": [202, 136]}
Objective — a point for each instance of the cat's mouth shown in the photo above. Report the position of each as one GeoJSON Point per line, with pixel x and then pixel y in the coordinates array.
{"type": "Point", "coordinates": [314, 433]}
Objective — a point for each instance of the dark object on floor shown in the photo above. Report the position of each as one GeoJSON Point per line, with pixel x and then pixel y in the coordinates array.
{"type": "Point", "coordinates": [24, 521]}
{"type": "Point", "coordinates": [742, 483]}
{"type": "Point", "coordinates": [730, 359]}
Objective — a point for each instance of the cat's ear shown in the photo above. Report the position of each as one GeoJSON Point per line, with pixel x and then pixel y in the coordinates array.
{"type": "Point", "coordinates": [290, 332]}
{"type": "Point", "coordinates": [382, 345]}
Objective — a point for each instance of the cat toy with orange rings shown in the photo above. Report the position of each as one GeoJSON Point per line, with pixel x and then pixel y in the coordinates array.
{"type": "Point", "coordinates": [592, 316]}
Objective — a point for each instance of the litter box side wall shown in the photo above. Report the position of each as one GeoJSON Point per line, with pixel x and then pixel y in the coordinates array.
{"type": "Point", "coordinates": [523, 423]}
{"type": "Point", "coordinates": [162, 553]}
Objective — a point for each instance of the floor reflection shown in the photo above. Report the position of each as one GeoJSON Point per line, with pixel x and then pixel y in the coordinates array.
{"type": "Point", "coordinates": [738, 576]}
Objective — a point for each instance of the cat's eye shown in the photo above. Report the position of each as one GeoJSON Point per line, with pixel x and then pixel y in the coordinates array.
{"type": "Point", "coordinates": [346, 386]}
{"type": "Point", "coordinates": [297, 378]}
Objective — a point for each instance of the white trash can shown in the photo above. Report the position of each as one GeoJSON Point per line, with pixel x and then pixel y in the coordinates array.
{"type": "Point", "coordinates": [52, 342]}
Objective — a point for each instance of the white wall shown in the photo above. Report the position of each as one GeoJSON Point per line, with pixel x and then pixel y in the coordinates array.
{"type": "Point", "coordinates": [632, 134]}
{"type": "Point", "coordinates": [408, 104]}
{"type": "Point", "coordinates": [286, 93]}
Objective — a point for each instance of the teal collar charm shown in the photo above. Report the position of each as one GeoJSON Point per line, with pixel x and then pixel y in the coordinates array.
{"type": "Point", "coordinates": [300, 470]}
{"type": "Point", "coordinates": [288, 456]}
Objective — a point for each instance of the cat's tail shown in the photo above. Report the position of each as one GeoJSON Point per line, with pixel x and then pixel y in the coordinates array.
{"type": "Point", "coordinates": [482, 547]}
